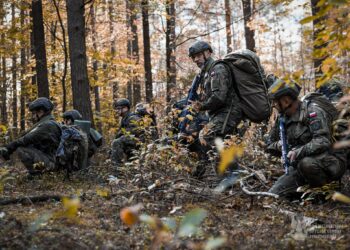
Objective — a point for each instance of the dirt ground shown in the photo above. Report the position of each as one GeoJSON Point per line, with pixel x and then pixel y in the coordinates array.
{"type": "Point", "coordinates": [247, 222]}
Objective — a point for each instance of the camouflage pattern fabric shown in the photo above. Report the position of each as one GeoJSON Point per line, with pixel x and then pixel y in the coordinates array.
{"type": "Point", "coordinates": [309, 135]}
{"type": "Point", "coordinates": [127, 137]}
{"type": "Point", "coordinates": [38, 144]}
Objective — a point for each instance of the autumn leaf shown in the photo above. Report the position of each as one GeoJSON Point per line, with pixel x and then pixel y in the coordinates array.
{"type": "Point", "coordinates": [227, 156]}
{"type": "Point", "coordinates": [130, 215]}
{"type": "Point", "coordinates": [103, 192]}
{"type": "Point", "coordinates": [341, 197]}
{"type": "Point", "coordinates": [71, 207]}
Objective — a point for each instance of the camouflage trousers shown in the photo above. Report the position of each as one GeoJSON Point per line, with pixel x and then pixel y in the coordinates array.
{"type": "Point", "coordinates": [215, 126]}
{"type": "Point", "coordinates": [315, 171]}
{"type": "Point", "coordinates": [35, 160]}
{"type": "Point", "coordinates": [122, 146]}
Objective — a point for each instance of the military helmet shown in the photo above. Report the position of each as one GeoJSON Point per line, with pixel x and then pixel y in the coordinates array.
{"type": "Point", "coordinates": [41, 103]}
{"type": "Point", "coordinates": [281, 88]}
{"type": "Point", "coordinates": [198, 47]}
{"type": "Point", "coordinates": [140, 109]}
{"type": "Point", "coordinates": [72, 114]}
{"type": "Point", "coordinates": [122, 102]}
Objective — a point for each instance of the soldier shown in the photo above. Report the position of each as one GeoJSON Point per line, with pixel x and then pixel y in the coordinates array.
{"type": "Point", "coordinates": [308, 133]}
{"type": "Point", "coordinates": [37, 147]}
{"type": "Point", "coordinates": [128, 134]}
{"type": "Point", "coordinates": [149, 120]}
{"type": "Point", "coordinates": [94, 137]}
{"type": "Point", "coordinates": [219, 99]}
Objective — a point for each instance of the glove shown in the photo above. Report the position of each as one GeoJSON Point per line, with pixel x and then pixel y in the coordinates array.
{"type": "Point", "coordinates": [4, 153]}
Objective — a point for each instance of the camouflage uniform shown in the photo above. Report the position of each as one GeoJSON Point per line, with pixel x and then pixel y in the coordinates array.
{"type": "Point", "coordinates": [38, 145]}
{"type": "Point", "coordinates": [127, 137]}
{"type": "Point", "coordinates": [308, 133]}
{"type": "Point", "coordinates": [220, 101]}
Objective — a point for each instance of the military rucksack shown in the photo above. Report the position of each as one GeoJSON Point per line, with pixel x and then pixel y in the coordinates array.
{"type": "Point", "coordinates": [72, 152]}
{"type": "Point", "coordinates": [324, 103]}
{"type": "Point", "coordinates": [250, 83]}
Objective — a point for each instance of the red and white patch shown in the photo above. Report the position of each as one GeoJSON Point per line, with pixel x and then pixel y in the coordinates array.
{"type": "Point", "coordinates": [313, 114]}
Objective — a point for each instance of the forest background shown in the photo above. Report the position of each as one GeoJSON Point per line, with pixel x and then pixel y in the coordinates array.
{"type": "Point", "coordinates": [85, 54]}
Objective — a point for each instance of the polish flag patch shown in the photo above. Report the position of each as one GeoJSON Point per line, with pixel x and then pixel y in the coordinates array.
{"type": "Point", "coordinates": [313, 114]}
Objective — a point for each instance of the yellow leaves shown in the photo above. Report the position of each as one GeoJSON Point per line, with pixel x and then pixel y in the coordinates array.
{"type": "Point", "coordinates": [4, 177]}
{"type": "Point", "coordinates": [103, 192]}
{"type": "Point", "coordinates": [341, 197]}
{"type": "Point", "coordinates": [189, 117]}
{"type": "Point", "coordinates": [228, 155]}
{"type": "Point", "coordinates": [70, 207]}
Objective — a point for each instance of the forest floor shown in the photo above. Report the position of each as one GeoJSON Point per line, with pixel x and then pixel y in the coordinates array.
{"type": "Point", "coordinates": [93, 221]}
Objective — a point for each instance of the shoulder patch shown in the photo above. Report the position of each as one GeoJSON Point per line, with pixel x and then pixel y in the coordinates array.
{"type": "Point", "coordinates": [315, 125]}
{"type": "Point", "coordinates": [212, 74]}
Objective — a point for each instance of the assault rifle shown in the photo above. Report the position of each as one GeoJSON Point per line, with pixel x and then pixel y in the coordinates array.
{"type": "Point", "coordinates": [283, 138]}
{"type": "Point", "coordinates": [192, 96]}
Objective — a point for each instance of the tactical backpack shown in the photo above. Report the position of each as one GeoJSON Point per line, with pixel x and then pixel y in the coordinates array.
{"type": "Point", "coordinates": [72, 152]}
{"type": "Point", "coordinates": [324, 103]}
{"type": "Point", "coordinates": [250, 83]}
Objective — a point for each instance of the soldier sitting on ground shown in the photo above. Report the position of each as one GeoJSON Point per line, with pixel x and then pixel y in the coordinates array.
{"type": "Point", "coordinates": [129, 133]}
{"type": "Point", "coordinates": [94, 137]}
{"type": "Point", "coordinates": [309, 140]}
{"type": "Point", "coordinates": [36, 148]}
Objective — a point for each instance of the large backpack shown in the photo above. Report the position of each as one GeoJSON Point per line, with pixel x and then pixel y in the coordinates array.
{"type": "Point", "coordinates": [250, 83]}
{"type": "Point", "coordinates": [324, 103]}
{"type": "Point", "coordinates": [72, 152]}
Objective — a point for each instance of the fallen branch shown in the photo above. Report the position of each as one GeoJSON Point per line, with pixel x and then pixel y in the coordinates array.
{"type": "Point", "coordinates": [30, 199]}
{"type": "Point", "coordinates": [246, 191]}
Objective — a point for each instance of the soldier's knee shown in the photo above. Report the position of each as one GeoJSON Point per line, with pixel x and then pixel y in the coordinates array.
{"type": "Point", "coordinates": [25, 155]}
{"type": "Point", "coordinates": [307, 166]}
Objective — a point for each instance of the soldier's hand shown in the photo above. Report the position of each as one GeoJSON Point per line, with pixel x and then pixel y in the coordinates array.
{"type": "Point", "coordinates": [196, 106]}
{"type": "Point", "coordinates": [292, 155]}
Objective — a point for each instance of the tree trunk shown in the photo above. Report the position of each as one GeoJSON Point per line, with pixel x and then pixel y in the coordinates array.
{"type": "Point", "coordinates": [78, 61]}
{"type": "Point", "coordinates": [14, 71]}
{"type": "Point", "coordinates": [95, 67]}
{"type": "Point", "coordinates": [133, 49]}
{"type": "Point", "coordinates": [65, 50]}
{"type": "Point", "coordinates": [316, 30]}
{"type": "Point", "coordinates": [249, 33]}
{"type": "Point", "coordinates": [228, 26]}
{"type": "Point", "coordinates": [3, 67]}
{"type": "Point", "coordinates": [170, 49]}
{"type": "Point", "coordinates": [39, 48]}
{"type": "Point", "coordinates": [115, 87]}
{"type": "Point", "coordinates": [23, 71]}
{"type": "Point", "coordinates": [53, 48]}
{"type": "Point", "coordinates": [147, 52]}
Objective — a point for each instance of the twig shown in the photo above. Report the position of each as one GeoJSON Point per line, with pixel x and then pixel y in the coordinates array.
{"type": "Point", "coordinates": [31, 199]}
{"type": "Point", "coordinates": [246, 191]}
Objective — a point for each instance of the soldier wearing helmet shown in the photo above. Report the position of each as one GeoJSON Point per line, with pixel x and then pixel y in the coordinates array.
{"type": "Point", "coordinates": [37, 147]}
{"type": "Point", "coordinates": [129, 132]}
{"type": "Point", "coordinates": [94, 137]}
{"type": "Point", "coordinates": [216, 98]}
{"type": "Point", "coordinates": [308, 133]}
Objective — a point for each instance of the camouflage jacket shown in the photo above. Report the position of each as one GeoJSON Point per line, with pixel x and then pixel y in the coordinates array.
{"type": "Point", "coordinates": [45, 135]}
{"type": "Point", "coordinates": [219, 94]}
{"type": "Point", "coordinates": [308, 132]}
{"type": "Point", "coordinates": [130, 125]}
